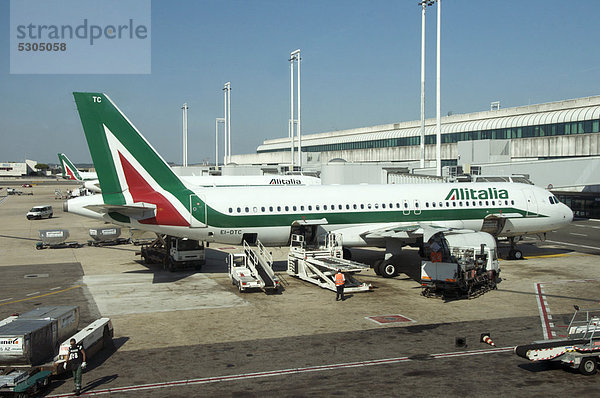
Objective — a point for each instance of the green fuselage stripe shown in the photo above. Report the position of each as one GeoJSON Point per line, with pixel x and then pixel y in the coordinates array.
{"type": "Point", "coordinates": [221, 220]}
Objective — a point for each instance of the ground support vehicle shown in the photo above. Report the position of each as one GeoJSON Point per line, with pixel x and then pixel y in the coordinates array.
{"type": "Point", "coordinates": [460, 265]}
{"type": "Point", "coordinates": [252, 269]}
{"type": "Point", "coordinates": [174, 253]}
{"type": "Point", "coordinates": [320, 264]}
{"type": "Point", "coordinates": [30, 353]}
{"type": "Point", "coordinates": [39, 212]}
{"type": "Point", "coordinates": [106, 237]}
{"type": "Point", "coordinates": [55, 239]}
{"type": "Point", "coordinates": [579, 350]}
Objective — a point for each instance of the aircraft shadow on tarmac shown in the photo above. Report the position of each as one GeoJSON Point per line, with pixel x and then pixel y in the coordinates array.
{"type": "Point", "coordinates": [215, 263]}
{"type": "Point", "coordinates": [19, 237]}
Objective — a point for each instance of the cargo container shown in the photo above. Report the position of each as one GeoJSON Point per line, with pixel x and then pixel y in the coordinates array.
{"type": "Point", "coordinates": [28, 341]}
{"type": "Point", "coordinates": [67, 318]}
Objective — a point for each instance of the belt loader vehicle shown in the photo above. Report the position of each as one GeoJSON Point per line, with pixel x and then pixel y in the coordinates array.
{"type": "Point", "coordinates": [579, 350]}
{"type": "Point", "coordinates": [460, 264]}
{"type": "Point", "coordinates": [33, 346]}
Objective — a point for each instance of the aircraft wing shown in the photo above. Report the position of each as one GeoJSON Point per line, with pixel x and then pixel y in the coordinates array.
{"type": "Point", "coordinates": [410, 231]}
{"type": "Point", "coordinates": [138, 211]}
{"type": "Point", "coordinates": [503, 215]}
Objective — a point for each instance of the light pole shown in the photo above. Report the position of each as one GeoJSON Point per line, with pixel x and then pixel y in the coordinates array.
{"type": "Point", "coordinates": [438, 111]}
{"type": "Point", "coordinates": [217, 121]}
{"type": "Point", "coordinates": [295, 56]}
{"type": "Point", "coordinates": [184, 160]}
{"type": "Point", "coordinates": [227, 116]}
{"type": "Point", "coordinates": [423, 4]}
{"type": "Point", "coordinates": [292, 120]}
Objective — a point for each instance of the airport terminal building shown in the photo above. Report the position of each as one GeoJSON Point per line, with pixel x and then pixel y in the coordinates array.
{"type": "Point", "coordinates": [557, 144]}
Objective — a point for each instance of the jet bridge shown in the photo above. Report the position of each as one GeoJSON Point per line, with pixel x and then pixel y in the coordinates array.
{"type": "Point", "coordinates": [319, 265]}
{"type": "Point", "coordinates": [253, 268]}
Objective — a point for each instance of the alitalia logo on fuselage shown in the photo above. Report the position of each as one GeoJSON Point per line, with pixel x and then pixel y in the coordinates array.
{"type": "Point", "coordinates": [282, 181]}
{"type": "Point", "coordinates": [470, 193]}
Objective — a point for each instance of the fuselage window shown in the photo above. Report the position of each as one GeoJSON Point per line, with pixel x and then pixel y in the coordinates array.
{"type": "Point", "coordinates": [383, 205]}
{"type": "Point", "coordinates": [246, 209]}
{"type": "Point", "coordinates": [262, 209]}
{"type": "Point", "coordinates": [460, 203]}
{"type": "Point", "coordinates": [309, 207]}
{"type": "Point", "coordinates": [369, 206]}
{"type": "Point", "coordinates": [239, 210]}
{"type": "Point", "coordinates": [287, 208]}
{"type": "Point", "coordinates": [480, 203]}
{"type": "Point", "coordinates": [441, 204]}
{"type": "Point", "coordinates": [493, 203]}
{"type": "Point", "coordinates": [324, 207]}
{"type": "Point", "coordinates": [354, 206]}
{"type": "Point", "coordinates": [391, 205]}
{"type": "Point", "coordinates": [294, 208]}
{"type": "Point", "coordinates": [405, 205]}
{"type": "Point", "coordinates": [347, 207]}
{"type": "Point", "coordinates": [426, 204]}
{"type": "Point", "coordinates": [376, 205]}
{"type": "Point", "coordinates": [255, 209]}
{"type": "Point", "coordinates": [270, 208]}
{"type": "Point", "coordinates": [432, 204]}
{"type": "Point", "coordinates": [339, 207]}
{"type": "Point", "coordinates": [453, 204]}
{"type": "Point", "coordinates": [362, 206]}
{"type": "Point", "coordinates": [317, 207]}
{"type": "Point", "coordinates": [230, 210]}
{"type": "Point", "coordinates": [447, 204]}
{"type": "Point", "coordinates": [512, 202]}
{"type": "Point", "coordinates": [278, 208]}
{"type": "Point", "coordinates": [487, 203]}
{"type": "Point", "coordinates": [506, 202]}
{"type": "Point", "coordinates": [474, 203]}
{"type": "Point", "coordinates": [302, 207]}
{"type": "Point", "coordinates": [416, 205]}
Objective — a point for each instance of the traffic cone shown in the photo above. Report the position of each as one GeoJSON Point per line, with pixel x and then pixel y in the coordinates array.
{"type": "Point", "coordinates": [485, 338]}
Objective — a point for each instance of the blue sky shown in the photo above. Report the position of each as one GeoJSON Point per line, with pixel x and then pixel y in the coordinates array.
{"type": "Point", "coordinates": [360, 67]}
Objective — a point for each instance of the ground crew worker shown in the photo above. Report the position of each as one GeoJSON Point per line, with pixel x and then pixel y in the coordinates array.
{"type": "Point", "coordinates": [76, 359]}
{"type": "Point", "coordinates": [339, 285]}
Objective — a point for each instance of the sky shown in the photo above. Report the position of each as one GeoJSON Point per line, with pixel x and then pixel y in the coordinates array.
{"type": "Point", "coordinates": [360, 66]}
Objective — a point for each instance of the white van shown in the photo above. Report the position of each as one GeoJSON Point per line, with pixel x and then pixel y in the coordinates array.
{"type": "Point", "coordinates": [40, 212]}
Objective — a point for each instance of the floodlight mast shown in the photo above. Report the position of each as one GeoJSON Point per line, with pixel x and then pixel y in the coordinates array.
{"type": "Point", "coordinates": [295, 56]}
{"type": "Point", "coordinates": [423, 4]}
{"type": "Point", "coordinates": [438, 130]}
{"type": "Point", "coordinates": [217, 121]}
{"type": "Point", "coordinates": [184, 128]}
{"type": "Point", "coordinates": [227, 117]}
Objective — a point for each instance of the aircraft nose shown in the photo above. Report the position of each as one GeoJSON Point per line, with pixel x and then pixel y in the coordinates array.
{"type": "Point", "coordinates": [567, 214]}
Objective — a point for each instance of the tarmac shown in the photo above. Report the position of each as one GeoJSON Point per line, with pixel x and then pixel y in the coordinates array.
{"type": "Point", "coordinates": [191, 333]}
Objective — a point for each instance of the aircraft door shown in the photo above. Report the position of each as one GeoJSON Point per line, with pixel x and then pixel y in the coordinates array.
{"type": "Point", "coordinates": [197, 211]}
{"type": "Point", "coordinates": [531, 203]}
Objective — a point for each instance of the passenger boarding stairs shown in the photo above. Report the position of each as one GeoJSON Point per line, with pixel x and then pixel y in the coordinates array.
{"type": "Point", "coordinates": [319, 265]}
{"type": "Point", "coordinates": [260, 263]}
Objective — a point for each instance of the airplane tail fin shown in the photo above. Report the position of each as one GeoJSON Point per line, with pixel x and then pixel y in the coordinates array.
{"type": "Point", "coordinates": [130, 171]}
{"type": "Point", "coordinates": [69, 171]}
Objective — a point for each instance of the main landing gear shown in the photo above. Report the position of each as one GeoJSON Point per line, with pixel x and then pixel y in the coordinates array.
{"type": "Point", "coordinates": [514, 253]}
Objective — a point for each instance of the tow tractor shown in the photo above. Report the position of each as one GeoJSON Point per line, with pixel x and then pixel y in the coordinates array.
{"type": "Point", "coordinates": [319, 264]}
{"type": "Point", "coordinates": [31, 351]}
{"type": "Point", "coordinates": [174, 253]}
{"type": "Point", "coordinates": [579, 350]}
{"type": "Point", "coordinates": [461, 264]}
{"type": "Point", "coordinates": [252, 269]}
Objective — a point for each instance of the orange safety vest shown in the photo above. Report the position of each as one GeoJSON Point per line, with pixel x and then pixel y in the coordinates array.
{"type": "Point", "coordinates": [436, 257]}
{"type": "Point", "coordinates": [339, 279]}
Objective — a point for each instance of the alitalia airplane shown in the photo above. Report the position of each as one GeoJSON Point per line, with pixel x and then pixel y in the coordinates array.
{"type": "Point", "coordinates": [90, 181]}
{"type": "Point", "coordinates": [140, 190]}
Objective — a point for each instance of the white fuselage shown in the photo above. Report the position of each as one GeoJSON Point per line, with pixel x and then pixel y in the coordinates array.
{"type": "Point", "coordinates": [355, 210]}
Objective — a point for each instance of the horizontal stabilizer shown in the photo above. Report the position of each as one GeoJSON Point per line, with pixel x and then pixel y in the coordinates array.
{"type": "Point", "coordinates": [138, 210]}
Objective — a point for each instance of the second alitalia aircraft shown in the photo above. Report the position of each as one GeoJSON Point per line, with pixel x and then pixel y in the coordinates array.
{"type": "Point", "coordinates": [140, 190]}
